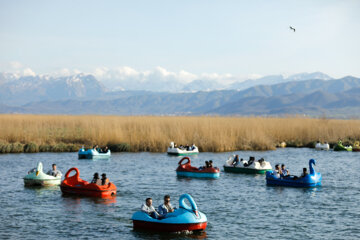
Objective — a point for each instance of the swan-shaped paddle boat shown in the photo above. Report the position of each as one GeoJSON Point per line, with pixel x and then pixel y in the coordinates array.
{"type": "Point", "coordinates": [311, 180]}
{"type": "Point", "coordinates": [75, 185]}
{"type": "Point", "coordinates": [340, 147]}
{"type": "Point", "coordinates": [93, 154]}
{"type": "Point", "coordinates": [186, 170]}
{"type": "Point", "coordinates": [172, 150]}
{"type": "Point", "coordinates": [322, 146]}
{"type": "Point", "coordinates": [252, 166]}
{"type": "Point", "coordinates": [184, 218]}
{"type": "Point", "coordinates": [36, 177]}
{"type": "Point", "coordinates": [356, 147]}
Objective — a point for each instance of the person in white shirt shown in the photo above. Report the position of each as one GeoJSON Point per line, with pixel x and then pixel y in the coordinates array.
{"type": "Point", "coordinates": [148, 208]}
{"type": "Point", "coordinates": [277, 172]}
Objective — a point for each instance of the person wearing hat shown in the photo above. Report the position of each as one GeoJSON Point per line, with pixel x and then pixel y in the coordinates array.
{"type": "Point", "coordinates": [104, 179]}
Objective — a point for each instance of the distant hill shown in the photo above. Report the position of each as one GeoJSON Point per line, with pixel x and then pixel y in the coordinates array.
{"type": "Point", "coordinates": [73, 96]}
{"type": "Point", "coordinates": [21, 90]}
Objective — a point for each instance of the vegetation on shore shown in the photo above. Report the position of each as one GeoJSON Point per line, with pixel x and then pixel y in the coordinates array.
{"type": "Point", "coordinates": [54, 133]}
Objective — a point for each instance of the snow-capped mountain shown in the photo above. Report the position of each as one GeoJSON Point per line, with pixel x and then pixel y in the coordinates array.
{"type": "Point", "coordinates": [17, 90]}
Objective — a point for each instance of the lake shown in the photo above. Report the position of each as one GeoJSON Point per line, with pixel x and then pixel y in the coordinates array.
{"type": "Point", "coordinates": [237, 206]}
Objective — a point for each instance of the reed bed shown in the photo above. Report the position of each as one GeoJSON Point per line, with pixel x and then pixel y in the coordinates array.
{"type": "Point", "coordinates": [33, 133]}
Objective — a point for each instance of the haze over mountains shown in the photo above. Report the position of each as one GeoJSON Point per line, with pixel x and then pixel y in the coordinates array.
{"type": "Point", "coordinates": [312, 94]}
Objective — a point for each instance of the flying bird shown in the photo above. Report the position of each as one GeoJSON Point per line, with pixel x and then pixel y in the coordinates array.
{"type": "Point", "coordinates": [291, 28]}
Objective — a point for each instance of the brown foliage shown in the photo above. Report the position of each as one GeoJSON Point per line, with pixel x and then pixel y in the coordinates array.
{"type": "Point", "coordinates": [153, 133]}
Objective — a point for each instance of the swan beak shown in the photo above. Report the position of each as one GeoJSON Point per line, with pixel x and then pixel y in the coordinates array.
{"type": "Point", "coordinates": [37, 173]}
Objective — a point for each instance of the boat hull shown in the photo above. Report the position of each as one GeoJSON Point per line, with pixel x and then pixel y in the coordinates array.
{"type": "Point", "coordinates": [198, 174]}
{"type": "Point", "coordinates": [182, 154]}
{"type": "Point", "coordinates": [292, 183]}
{"type": "Point", "coordinates": [91, 154]}
{"type": "Point", "coordinates": [245, 170]}
{"type": "Point", "coordinates": [168, 227]}
{"type": "Point", "coordinates": [42, 182]}
{"type": "Point", "coordinates": [342, 148]}
{"type": "Point", "coordinates": [87, 192]}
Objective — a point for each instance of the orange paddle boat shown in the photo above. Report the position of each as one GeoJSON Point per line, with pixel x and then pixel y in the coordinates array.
{"type": "Point", "coordinates": [75, 185]}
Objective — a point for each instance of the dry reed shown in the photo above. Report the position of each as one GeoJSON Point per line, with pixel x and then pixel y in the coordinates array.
{"type": "Point", "coordinates": [153, 133]}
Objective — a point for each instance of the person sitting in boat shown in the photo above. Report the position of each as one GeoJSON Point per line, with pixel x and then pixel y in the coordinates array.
{"type": "Point", "coordinates": [104, 179]}
{"type": "Point", "coordinates": [148, 208]}
{"type": "Point", "coordinates": [54, 172]}
{"type": "Point", "coordinates": [284, 172]}
{"type": "Point", "coordinates": [210, 164]}
{"type": "Point", "coordinates": [304, 173]}
{"type": "Point", "coordinates": [105, 149]}
{"type": "Point", "coordinates": [277, 172]}
{"type": "Point", "coordinates": [96, 179]}
{"type": "Point", "coordinates": [166, 207]}
{"type": "Point", "coordinates": [235, 161]}
{"type": "Point", "coordinates": [193, 146]}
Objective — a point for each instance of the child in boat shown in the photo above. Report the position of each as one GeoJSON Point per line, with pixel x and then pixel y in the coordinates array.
{"type": "Point", "coordinates": [148, 208]}
{"type": "Point", "coordinates": [104, 179]}
{"type": "Point", "coordinates": [166, 207]}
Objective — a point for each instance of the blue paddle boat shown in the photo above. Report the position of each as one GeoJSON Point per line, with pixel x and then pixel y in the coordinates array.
{"type": "Point", "coordinates": [93, 154]}
{"type": "Point", "coordinates": [310, 180]}
{"type": "Point", "coordinates": [185, 218]}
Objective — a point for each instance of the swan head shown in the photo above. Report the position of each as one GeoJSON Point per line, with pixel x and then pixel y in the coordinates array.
{"type": "Point", "coordinates": [312, 161]}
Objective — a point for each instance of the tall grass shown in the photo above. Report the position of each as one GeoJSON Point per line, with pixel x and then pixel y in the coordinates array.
{"type": "Point", "coordinates": [153, 133]}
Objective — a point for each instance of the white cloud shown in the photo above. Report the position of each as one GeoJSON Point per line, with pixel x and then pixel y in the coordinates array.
{"type": "Point", "coordinates": [28, 72]}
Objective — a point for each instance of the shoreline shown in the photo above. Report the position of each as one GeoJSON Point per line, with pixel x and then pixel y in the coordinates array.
{"type": "Point", "coordinates": [60, 133]}
{"type": "Point", "coordinates": [124, 147]}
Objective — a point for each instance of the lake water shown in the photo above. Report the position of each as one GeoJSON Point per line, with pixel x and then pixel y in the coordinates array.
{"type": "Point", "coordinates": [237, 206]}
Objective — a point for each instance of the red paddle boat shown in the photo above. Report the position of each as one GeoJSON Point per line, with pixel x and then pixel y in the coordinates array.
{"type": "Point", "coordinates": [186, 170]}
{"type": "Point", "coordinates": [75, 185]}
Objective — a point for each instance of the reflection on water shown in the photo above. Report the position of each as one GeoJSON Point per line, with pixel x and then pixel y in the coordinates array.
{"type": "Point", "coordinates": [238, 206]}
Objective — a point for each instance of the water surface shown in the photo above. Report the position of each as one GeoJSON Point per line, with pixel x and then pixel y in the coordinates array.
{"type": "Point", "coordinates": [238, 206]}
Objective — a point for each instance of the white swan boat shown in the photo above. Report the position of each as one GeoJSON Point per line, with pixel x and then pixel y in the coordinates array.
{"type": "Point", "coordinates": [172, 150]}
{"type": "Point", "coordinates": [36, 177]}
{"type": "Point", "coordinates": [242, 166]}
{"type": "Point", "coordinates": [322, 146]}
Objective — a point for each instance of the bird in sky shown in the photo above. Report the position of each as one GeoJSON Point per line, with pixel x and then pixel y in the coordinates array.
{"type": "Point", "coordinates": [291, 28]}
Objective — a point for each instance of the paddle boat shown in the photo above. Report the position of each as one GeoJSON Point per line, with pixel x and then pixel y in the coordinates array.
{"type": "Point", "coordinates": [186, 170]}
{"type": "Point", "coordinates": [36, 177]}
{"type": "Point", "coordinates": [233, 164]}
{"type": "Point", "coordinates": [340, 147]}
{"type": "Point", "coordinates": [76, 186]}
{"type": "Point", "coordinates": [184, 218]}
{"type": "Point", "coordinates": [322, 146]}
{"type": "Point", "coordinates": [311, 180]}
{"type": "Point", "coordinates": [93, 154]}
{"type": "Point", "coordinates": [173, 150]}
{"type": "Point", "coordinates": [356, 147]}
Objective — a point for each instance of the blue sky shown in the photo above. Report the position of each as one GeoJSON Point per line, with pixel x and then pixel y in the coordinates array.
{"type": "Point", "coordinates": [241, 38]}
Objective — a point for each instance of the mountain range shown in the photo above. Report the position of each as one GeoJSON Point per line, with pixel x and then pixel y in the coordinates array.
{"type": "Point", "coordinates": [84, 94]}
